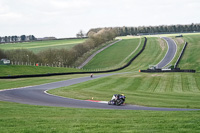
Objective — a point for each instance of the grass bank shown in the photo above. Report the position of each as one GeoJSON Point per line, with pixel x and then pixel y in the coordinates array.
{"type": "Point", "coordinates": [190, 59]}
{"type": "Point", "coordinates": [115, 56]}
{"type": "Point", "coordinates": [10, 70]}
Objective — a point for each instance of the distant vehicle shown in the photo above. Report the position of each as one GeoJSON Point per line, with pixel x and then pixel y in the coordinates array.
{"type": "Point", "coordinates": [117, 99]}
{"type": "Point", "coordinates": [4, 62]}
{"type": "Point", "coordinates": [179, 35]}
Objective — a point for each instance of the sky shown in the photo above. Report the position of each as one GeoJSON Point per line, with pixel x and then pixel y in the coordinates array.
{"type": "Point", "coordinates": [65, 18]}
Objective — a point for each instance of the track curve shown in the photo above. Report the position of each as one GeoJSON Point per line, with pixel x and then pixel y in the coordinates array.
{"type": "Point", "coordinates": [35, 95]}
{"type": "Point", "coordinates": [172, 48]}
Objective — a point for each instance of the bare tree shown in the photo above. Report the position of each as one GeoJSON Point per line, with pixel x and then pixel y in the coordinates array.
{"type": "Point", "coordinates": [80, 34]}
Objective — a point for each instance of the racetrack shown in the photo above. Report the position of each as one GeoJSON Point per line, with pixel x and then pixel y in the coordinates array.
{"type": "Point", "coordinates": [35, 95]}
{"type": "Point", "coordinates": [172, 48]}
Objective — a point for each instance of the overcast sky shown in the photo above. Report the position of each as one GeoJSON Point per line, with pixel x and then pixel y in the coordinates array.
{"type": "Point", "coordinates": [64, 18]}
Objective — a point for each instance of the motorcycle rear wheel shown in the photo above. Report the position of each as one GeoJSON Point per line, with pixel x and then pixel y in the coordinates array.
{"type": "Point", "coordinates": [119, 102]}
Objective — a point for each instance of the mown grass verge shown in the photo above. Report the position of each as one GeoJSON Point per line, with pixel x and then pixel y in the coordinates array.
{"type": "Point", "coordinates": [16, 83]}
{"type": "Point", "coordinates": [20, 118]}
{"type": "Point", "coordinates": [10, 70]}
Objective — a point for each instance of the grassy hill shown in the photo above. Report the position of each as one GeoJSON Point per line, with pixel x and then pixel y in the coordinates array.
{"type": "Point", "coordinates": [42, 45]}
{"type": "Point", "coordinates": [191, 58]}
{"type": "Point", "coordinates": [116, 55]}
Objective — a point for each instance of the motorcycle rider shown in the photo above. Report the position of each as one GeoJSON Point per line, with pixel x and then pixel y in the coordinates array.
{"type": "Point", "coordinates": [116, 97]}
{"type": "Point", "coordinates": [91, 75]}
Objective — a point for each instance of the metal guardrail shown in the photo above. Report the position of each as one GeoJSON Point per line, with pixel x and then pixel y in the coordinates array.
{"type": "Point", "coordinates": [179, 58]}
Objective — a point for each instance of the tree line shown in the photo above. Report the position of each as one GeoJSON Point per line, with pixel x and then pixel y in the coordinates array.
{"type": "Point", "coordinates": [66, 57]}
{"type": "Point", "coordinates": [22, 38]}
{"type": "Point", "coordinates": [123, 31]}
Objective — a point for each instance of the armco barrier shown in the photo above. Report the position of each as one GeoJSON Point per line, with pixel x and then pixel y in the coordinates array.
{"type": "Point", "coordinates": [69, 73]}
{"type": "Point", "coordinates": [173, 70]}
{"type": "Point", "coordinates": [176, 64]}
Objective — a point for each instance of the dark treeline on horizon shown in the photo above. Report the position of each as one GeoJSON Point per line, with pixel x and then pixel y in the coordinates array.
{"type": "Point", "coordinates": [22, 38]}
{"type": "Point", "coordinates": [123, 31]}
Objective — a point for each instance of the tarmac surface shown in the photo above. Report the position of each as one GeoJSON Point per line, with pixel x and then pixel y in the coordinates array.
{"type": "Point", "coordinates": [172, 48]}
{"type": "Point", "coordinates": [36, 95]}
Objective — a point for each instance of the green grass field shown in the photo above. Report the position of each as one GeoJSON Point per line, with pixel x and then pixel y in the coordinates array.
{"type": "Point", "coordinates": [191, 58]}
{"type": "Point", "coordinates": [21, 118]}
{"type": "Point", "coordinates": [15, 83]}
{"type": "Point", "coordinates": [38, 46]}
{"type": "Point", "coordinates": [115, 56]}
{"type": "Point", "coordinates": [181, 90]}
{"type": "Point", "coordinates": [12, 70]}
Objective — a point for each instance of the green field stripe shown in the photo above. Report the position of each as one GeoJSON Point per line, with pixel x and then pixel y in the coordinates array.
{"type": "Point", "coordinates": [197, 79]}
{"type": "Point", "coordinates": [154, 84]}
{"type": "Point", "coordinates": [192, 84]}
{"type": "Point", "coordinates": [171, 83]}
{"type": "Point", "coordinates": [185, 82]}
{"type": "Point", "coordinates": [145, 83]}
{"type": "Point", "coordinates": [107, 85]}
{"type": "Point", "coordinates": [177, 85]}
{"type": "Point", "coordinates": [161, 87]}
{"type": "Point", "coordinates": [129, 86]}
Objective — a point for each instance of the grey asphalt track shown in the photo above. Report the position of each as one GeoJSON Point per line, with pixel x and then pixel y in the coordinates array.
{"type": "Point", "coordinates": [35, 95]}
{"type": "Point", "coordinates": [172, 48]}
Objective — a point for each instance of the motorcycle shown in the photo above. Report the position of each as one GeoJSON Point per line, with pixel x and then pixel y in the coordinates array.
{"type": "Point", "coordinates": [117, 99]}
